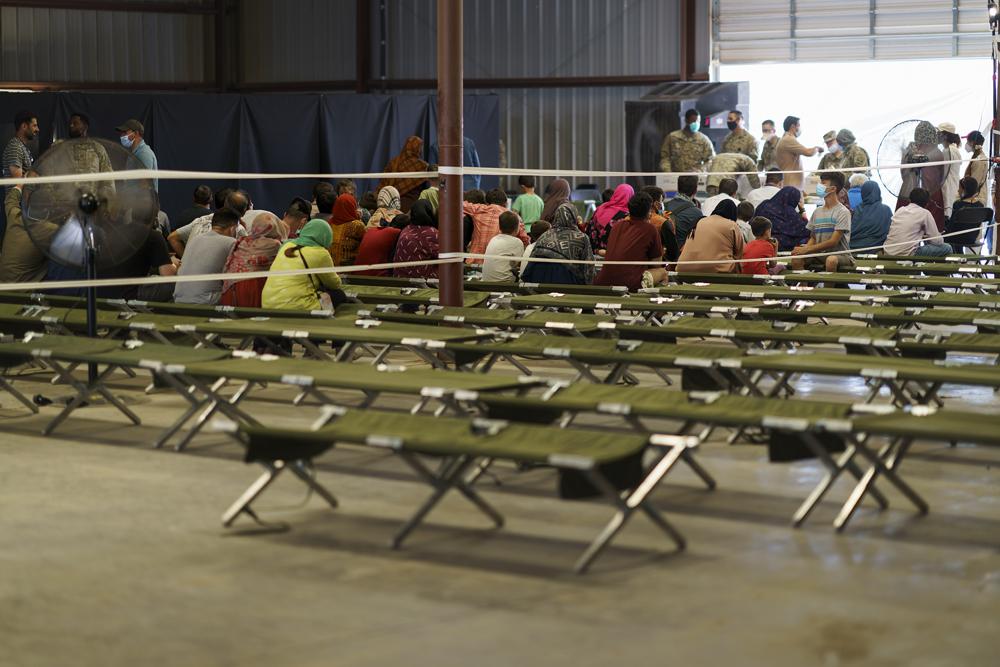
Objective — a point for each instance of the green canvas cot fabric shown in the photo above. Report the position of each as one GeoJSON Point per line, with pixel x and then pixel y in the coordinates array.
{"type": "Point", "coordinates": [443, 436]}
{"type": "Point", "coordinates": [956, 342]}
{"type": "Point", "coordinates": [758, 331]}
{"type": "Point", "coordinates": [916, 268]}
{"type": "Point", "coordinates": [853, 365]}
{"type": "Point", "coordinates": [147, 353]}
{"type": "Point", "coordinates": [335, 330]}
{"type": "Point", "coordinates": [76, 319]}
{"type": "Point", "coordinates": [543, 288]}
{"type": "Point", "coordinates": [334, 375]}
{"type": "Point", "coordinates": [712, 408]}
{"type": "Point", "coordinates": [949, 425]}
{"type": "Point", "coordinates": [599, 350]}
{"type": "Point", "coordinates": [59, 345]}
{"type": "Point", "coordinates": [965, 259]}
{"type": "Point", "coordinates": [471, 316]}
{"type": "Point", "coordinates": [373, 294]}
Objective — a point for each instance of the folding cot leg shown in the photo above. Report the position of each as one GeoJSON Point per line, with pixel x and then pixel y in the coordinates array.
{"type": "Point", "coordinates": [517, 364]}
{"type": "Point", "coordinates": [662, 374]}
{"type": "Point", "coordinates": [887, 469]}
{"type": "Point", "coordinates": [627, 503]}
{"type": "Point", "coordinates": [481, 467]}
{"type": "Point", "coordinates": [187, 391]}
{"type": "Point", "coordinates": [346, 350]}
{"type": "Point", "coordinates": [380, 356]}
{"type": "Point", "coordinates": [301, 470]}
{"type": "Point", "coordinates": [834, 468]}
{"type": "Point", "coordinates": [697, 468]}
{"type": "Point", "coordinates": [10, 389]}
{"type": "Point", "coordinates": [489, 363]}
{"type": "Point", "coordinates": [450, 476]}
{"type": "Point", "coordinates": [220, 404]}
{"type": "Point", "coordinates": [84, 390]}
{"type": "Point", "coordinates": [930, 394]}
{"type": "Point", "coordinates": [242, 503]}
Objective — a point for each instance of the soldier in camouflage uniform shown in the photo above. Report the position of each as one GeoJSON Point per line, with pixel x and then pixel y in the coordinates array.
{"type": "Point", "coordinates": [854, 155]}
{"type": "Point", "coordinates": [686, 150]}
{"type": "Point", "coordinates": [724, 165]}
{"type": "Point", "coordinates": [88, 156]}
{"type": "Point", "coordinates": [739, 140]}
{"type": "Point", "coordinates": [835, 154]}
{"type": "Point", "coordinates": [770, 142]}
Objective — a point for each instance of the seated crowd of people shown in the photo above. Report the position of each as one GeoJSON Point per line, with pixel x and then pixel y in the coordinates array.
{"type": "Point", "coordinates": [639, 235]}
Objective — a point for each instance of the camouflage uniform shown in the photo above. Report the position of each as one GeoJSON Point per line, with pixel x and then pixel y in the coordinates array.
{"type": "Point", "coordinates": [90, 157]}
{"type": "Point", "coordinates": [831, 161]}
{"type": "Point", "coordinates": [685, 152]}
{"type": "Point", "coordinates": [767, 160]}
{"type": "Point", "coordinates": [744, 143]}
{"type": "Point", "coordinates": [855, 156]}
{"type": "Point", "coordinates": [730, 162]}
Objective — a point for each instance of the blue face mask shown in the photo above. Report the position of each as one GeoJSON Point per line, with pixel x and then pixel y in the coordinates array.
{"type": "Point", "coordinates": [821, 190]}
{"type": "Point", "coordinates": [695, 126]}
{"type": "Point", "coordinates": [126, 142]}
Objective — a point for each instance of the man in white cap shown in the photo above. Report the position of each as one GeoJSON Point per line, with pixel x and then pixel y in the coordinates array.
{"type": "Point", "coordinates": [950, 142]}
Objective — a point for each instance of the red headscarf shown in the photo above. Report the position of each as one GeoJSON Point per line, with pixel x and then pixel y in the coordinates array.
{"type": "Point", "coordinates": [617, 204]}
{"type": "Point", "coordinates": [345, 210]}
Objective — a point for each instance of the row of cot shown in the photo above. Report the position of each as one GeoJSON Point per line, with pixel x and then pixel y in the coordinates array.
{"type": "Point", "coordinates": [212, 398]}
{"type": "Point", "coordinates": [461, 444]}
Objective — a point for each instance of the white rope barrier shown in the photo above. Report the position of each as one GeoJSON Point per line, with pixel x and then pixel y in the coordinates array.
{"type": "Point", "coordinates": [443, 258]}
{"type": "Point", "coordinates": [202, 277]}
{"type": "Point", "coordinates": [176, 174]}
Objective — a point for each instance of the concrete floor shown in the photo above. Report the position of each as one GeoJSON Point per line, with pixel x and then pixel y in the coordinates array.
{"type": "Point", "coordinates": [113, 554]}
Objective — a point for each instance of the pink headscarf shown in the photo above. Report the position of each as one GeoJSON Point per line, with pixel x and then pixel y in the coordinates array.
{"type": "Point", "coordinates": [618, 204]}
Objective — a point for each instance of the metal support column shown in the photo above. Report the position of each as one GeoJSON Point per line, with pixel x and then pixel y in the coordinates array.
{"type": "Point", "coordinates": [450, 131]}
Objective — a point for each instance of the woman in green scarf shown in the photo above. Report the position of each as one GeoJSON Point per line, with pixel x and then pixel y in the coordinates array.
{"type": "Point", "coordinates": [310, 250]}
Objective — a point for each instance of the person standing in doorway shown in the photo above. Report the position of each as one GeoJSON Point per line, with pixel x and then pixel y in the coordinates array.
{"type": "Point", "coordinates": [687, 149]}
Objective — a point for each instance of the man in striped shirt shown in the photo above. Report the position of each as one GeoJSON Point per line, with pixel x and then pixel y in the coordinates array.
{"type": "Point", "coordinates": [17, 158]}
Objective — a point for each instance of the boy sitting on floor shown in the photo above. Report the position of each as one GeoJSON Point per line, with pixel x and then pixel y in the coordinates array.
{"type": "Point", "coordinates": [762, 247]}
{"type": "Point", "coordinates": [507, 244]}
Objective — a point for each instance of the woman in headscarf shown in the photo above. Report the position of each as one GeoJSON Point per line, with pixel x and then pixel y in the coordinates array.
{"type": "Point", "coordinates": [923, 149]}
{"type": "Point", "coordinates": [727, 209]}
{"type": "Point", "coordinates": [871, 218]}
{"type": "Point", "coordinates": [388, 208]}
{"type": "Point", "coordinates": [714, 242]}
{"type": "Point", "coordinates": [784, 210]}
{"type": "Point", "coordinates": [563, 241]}
{"type": "Point", "coordinates": [607, 214]}
{"type": "Point", "coordinates": [253, 252]}
{"type": "Point", "coordinates": [347, 230]}
{"type": "Point", "coordinates": [408, 160]}
{"type": "Point", "coordinates": [310, 250]}
{"type": "Point", "coordinates": [556, 195]}
{"type": "Point", "coordinates": [418, 242]}
{"type": "Point", "coordinates": [431, 194]}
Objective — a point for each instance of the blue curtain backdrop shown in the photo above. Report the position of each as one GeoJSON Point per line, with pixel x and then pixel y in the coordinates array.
{"type": "Point", "coordinates": [269, 133]}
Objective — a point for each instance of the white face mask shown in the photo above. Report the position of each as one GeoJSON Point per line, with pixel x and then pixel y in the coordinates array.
{"type": "Point", "coordinates": [969, 148]}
